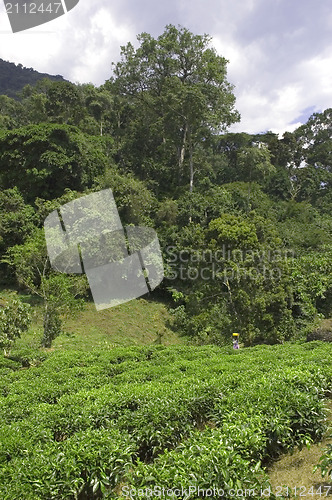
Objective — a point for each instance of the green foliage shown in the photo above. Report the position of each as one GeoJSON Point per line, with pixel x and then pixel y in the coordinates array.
{"type": "Point", "coordinates": [16, 224]}
{"type": "Point", "coordinates": [325, 463]}
{"type": "Point", "coordinates": [316, 140]}
{"type": "Point", "coordinates": [99, 105]}
{"type": "Point", "coordinates": [29, 261]}
{"type": "Point", "coordinates": [10, 113]}
{"type": "Point", "coordinates": [16, 219]}
{"type": "Point", "coordinates": [61, 294]}
{"type": "Point", "coordinates": [233, 231]}
{"type": "Point", "coordinates": [15, 319]}
{"type": "Point", "coordinates": [97, 424]}
{"type": "Point", "coordinates": [60, 298]}
{"type": "Point", "coordinates": [45, 207]}
{"type": "Point", "coordinates": [155, 128]}
{"type": "Point", "coordinates": [311, 275]}
{"type": "Point", "coordinates": [234, 276]}
{"type": "Point", "coordinates": [302, 227]}
{"type": "Point", "coordinates": [49, 158]}
{"type": "Point", "coordinates": [204, 205]}
{"type": "Point", "coordinates": [174, 92]}
{"type": "Point", "coordinates": [259, 201]}
{"type": "Point", "coordinates": [254, 163]}
{"type": "Point", "coordinates": [209, 461]}
{"type": "Point", "coordinates": [86, 465]}
{"type": "Point", "coordinates": [135, 202]}
{"type": "Point", "coordinates": [63, 103]}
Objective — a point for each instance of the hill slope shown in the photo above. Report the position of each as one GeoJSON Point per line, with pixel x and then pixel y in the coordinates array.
{"type": "Point", "coordinates": [14, 77]}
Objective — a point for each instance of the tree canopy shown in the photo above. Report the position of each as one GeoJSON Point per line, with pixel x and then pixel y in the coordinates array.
{"type": "Point", "coordinates": [175, 93]}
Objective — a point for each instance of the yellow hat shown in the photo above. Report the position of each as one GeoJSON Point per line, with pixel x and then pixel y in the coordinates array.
{"type": "Point", "coordinates": [235, 334]}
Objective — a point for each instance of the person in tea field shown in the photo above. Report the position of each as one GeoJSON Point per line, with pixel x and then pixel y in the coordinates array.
{"type": "Point", "coordinates": [236, 341]}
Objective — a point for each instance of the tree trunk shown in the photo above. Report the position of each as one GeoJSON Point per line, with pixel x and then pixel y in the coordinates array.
{"type": "Point", "coordinates": [191, 167]}
{"type": "Point", "coordinates": [51, 324]}
{"type": "Point", "coordinates": [191, 161]}
{"type": "Point", "coordinates": [183, 149]}
{"type": "Point", "coordinates": [46, 341]}
{"type": "Point", "coordinates": [249, 192]}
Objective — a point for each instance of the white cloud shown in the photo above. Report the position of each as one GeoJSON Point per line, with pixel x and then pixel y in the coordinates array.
{"type": "Point", "coordinates": [91, 62]}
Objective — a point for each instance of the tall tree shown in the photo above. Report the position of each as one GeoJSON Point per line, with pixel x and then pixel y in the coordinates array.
{"type": "Point", "coordinates": [98, 103]}
{"type": "Point", "coordinates": [64, 103]}
{"type": "Point", "coordinates": [177, 89]}
{"type": "Point", "coordinates": [10, 112]}
{"type": "Point", "coordinates": [254, 162]}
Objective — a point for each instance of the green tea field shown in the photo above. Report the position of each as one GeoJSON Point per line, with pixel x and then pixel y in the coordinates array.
{"type": "Point", "coordinates": [180, 422]}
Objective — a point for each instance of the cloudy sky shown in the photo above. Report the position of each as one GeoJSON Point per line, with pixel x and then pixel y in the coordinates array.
{"type": "Point", "coordinates": [279, 51]}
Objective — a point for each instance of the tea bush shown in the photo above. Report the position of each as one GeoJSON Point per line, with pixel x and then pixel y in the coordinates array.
{"type": "Point", "coordinates": [89, 425]}
{"type": "Point", "coordinates": [325, 462]}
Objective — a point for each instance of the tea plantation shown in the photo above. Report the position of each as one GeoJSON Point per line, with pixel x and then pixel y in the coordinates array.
{"type": "Point", "coordinates": [174, 422]}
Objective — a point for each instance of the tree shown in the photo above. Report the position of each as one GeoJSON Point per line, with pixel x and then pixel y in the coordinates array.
{"type": "Point", "coordinates": [14, 320]}
{"type": "Point", "coordinates": [11, 112]}
{"type": "Point", "coordinates": [64, 103]}
{"type": "Point", "coordinates": [60, 292]}
{"type": "Point", "coordinates": [178, 94]}
{"type": "Point", "coordinates": [98, 102]}
{"type": "Point", "coordinates": [311, 274]}
{"type": "Point", "coordinates": [232, 276]}
{"type": "Point", "coordinates": [254, 162]}
{"type": "Point", "coordinates": [17, 222]}
{"type": "Point", "coordinates": [43, 160]}
{"type": "Point", "coordinates": [16, 219]}
{"type": "Point", "coordinates": [314, 174]}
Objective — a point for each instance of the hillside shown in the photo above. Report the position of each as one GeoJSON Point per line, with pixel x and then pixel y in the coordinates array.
{"type": "Point", "coordinates": [14, 77]}
{"type": "Point", "coordinates": [138, 322]}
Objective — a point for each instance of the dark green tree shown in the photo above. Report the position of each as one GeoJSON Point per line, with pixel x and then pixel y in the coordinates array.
{"type": "Point", "coordinates": [17, 219]}
{"type": "Point", "coordinates": [254, 164]}
{"type": "Point", "coordinates": [43, 160]}
{"type": "Point", "coordinates": [11, 112]}
{"type": "Point", "coordinates": [64, 103]}
{"type": "Point", "coordinates": [99, 104]}
{"type": "Point", "coordinates": [17, 222]}
{"type": "Point", "coordinates": [232, 276]}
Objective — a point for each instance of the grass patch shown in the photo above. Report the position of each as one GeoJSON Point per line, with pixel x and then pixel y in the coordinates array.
{"type": "Point", "coordinates": [138, 322]}
{"type": "Point", "coordinates": [133, 323]}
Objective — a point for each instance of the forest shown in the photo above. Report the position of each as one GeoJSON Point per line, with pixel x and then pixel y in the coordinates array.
{"type": "Point", "coordinates": [244, 223]}
{"type": "Point", "coordinates": [244, 220]}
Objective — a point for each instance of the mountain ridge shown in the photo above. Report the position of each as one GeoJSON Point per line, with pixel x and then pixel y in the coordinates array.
{"type": "Point", "coordinates": [13, 77]}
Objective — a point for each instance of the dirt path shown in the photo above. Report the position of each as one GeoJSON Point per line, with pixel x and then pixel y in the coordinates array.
{"type": "Point", "coordinates": [295, 471]}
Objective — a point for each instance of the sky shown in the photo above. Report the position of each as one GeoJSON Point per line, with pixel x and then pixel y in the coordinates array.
{"type": "Point", "coordinates": [279, 51]}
